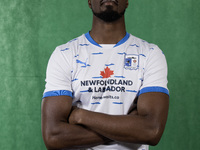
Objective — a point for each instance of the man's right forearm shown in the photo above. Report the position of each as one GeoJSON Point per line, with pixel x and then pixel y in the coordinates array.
{"type": "Point", "coordinates": [65, 136]}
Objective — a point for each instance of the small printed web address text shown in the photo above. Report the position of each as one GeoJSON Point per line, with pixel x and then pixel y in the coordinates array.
{"type": "Point", "coordinates": [105, 97]}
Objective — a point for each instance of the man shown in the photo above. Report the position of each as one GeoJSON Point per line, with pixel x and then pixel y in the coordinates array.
{"type": "Point", "coordinates": [106, 89]}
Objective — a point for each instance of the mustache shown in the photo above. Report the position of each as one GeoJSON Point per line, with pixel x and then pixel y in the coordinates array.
{"type": "Point", "coordinates": [103, 1]}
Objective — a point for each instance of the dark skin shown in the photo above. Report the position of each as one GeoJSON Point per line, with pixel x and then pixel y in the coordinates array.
{"type": "Point", "coordinates": [144, 126]}
{"type": "Point", "coordinates": [56, 130]}
{"type": "Point", "coordinates": [65, 127]}
{"type": "Point", "coordinates": [104, 32]}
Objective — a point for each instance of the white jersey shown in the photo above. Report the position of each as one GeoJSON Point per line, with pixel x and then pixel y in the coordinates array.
{"type": "Point", "coordinates": [106, 78]}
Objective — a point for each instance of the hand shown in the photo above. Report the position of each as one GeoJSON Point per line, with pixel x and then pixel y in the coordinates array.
{"type": "Point", "coordinates": [75, 116]}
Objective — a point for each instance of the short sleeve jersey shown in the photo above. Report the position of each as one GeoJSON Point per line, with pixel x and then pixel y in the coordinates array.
{"type": "Point", "coordinates": [106, 78]}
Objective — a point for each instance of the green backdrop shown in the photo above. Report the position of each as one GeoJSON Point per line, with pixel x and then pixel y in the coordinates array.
{"type": "Point", "coordinates": [30, 30]}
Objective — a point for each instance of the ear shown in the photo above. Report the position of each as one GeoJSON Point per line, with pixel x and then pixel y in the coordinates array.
{"type": "Point", "coordinates": [89, 3]}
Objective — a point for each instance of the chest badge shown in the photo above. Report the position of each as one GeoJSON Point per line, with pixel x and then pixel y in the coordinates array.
{"type": "Point", "coordinates": [131, 62]}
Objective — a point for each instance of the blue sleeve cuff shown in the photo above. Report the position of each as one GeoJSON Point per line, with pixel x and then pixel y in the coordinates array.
{"type": "Point", "coordinates": [153, 89]}
{"type": "Point", "coordinates": [57, 93]}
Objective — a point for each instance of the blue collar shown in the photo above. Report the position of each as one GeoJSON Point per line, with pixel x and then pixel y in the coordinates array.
{"type": "Point", "coordinates": [90, 39]}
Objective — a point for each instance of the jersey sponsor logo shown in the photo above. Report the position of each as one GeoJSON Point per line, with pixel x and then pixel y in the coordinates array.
{"type": "Point", "coordinates": [112, 85]}
{"type": "Point", "coordinates": [131, 62]}
{"type": "Point", "coordinates": [107, 73]}
{"type": "Point", "coordinates": [106, 82]}
{"type": "Point", "coordinates": [107, 85]}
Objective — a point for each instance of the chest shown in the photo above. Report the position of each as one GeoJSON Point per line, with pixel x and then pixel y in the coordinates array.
{"type": "Point", "coordinates": [109, 63]}
{"type": "Point", "coordinates": [107, 77]}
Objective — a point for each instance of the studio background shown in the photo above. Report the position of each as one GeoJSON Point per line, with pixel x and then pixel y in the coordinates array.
{"type": "Point", "coordinates": [30, 31]}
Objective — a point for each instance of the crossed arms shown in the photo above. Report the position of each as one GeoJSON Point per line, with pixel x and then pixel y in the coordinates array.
{"type": "Point", "coordinates": [67, 128]}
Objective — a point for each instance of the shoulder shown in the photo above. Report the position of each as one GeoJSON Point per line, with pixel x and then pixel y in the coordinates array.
{"type": "Point", "coordinates": [70, 45]}
{"type": "Point", "coordinates": [144, 46]}
{"type": "Point", "coordinates": [69, 49]}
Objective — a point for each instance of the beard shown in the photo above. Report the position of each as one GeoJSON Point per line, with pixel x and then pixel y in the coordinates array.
{"type": "Point", "coordinates": [109, 15]}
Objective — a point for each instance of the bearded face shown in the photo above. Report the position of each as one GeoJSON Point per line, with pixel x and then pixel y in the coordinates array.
{"type": "Point", "coordinates": [108, 10]}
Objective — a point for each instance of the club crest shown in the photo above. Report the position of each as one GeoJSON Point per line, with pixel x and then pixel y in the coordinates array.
{"type": "Point", "coordinates": [131, 62]}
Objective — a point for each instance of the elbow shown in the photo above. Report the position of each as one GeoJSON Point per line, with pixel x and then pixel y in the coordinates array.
{"type": "Point", "coordinates": [154, 140]}
{"type": "Point", "coordinates": [50, 141]}
{"type": "Point", "coordinates": [155, 136]}
{"type": "Point", "coordinates": [53, 139]}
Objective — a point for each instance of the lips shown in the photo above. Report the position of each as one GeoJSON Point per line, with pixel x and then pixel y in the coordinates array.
{"type": "Point", "coordinates": [114, 1]}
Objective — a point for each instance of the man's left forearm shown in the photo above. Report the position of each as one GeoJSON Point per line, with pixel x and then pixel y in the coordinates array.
{"type": "Point", "coordinates": [125, 128]}
{"type": "Point", "coordinates": [144, 126]}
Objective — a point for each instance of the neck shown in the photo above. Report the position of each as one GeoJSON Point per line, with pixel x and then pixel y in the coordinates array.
{"type": "Point", "coordinates": [108, 33]}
